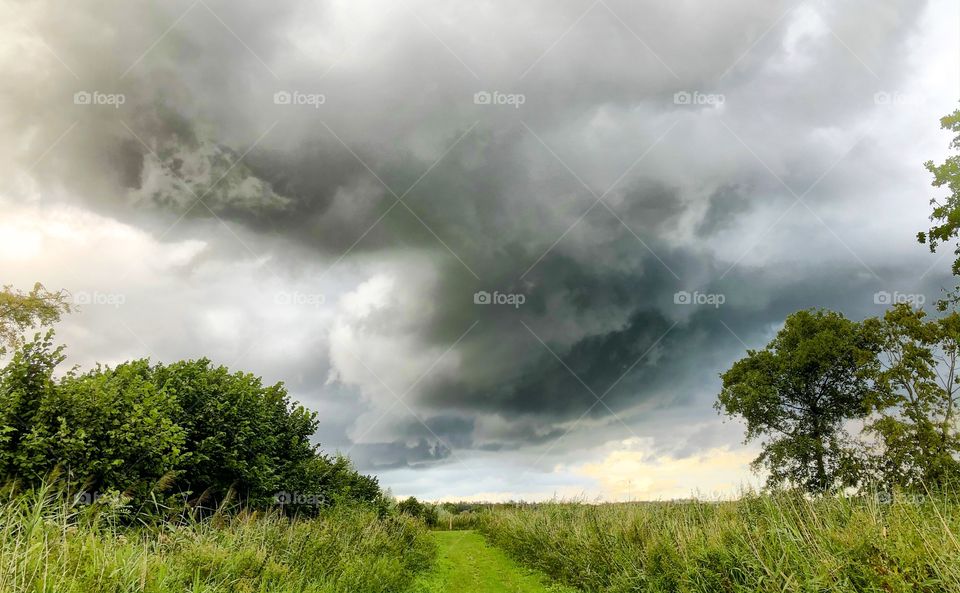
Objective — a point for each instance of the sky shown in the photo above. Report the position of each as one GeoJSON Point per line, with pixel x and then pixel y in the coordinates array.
{"type": "Point", "coordinates": [502, 249]}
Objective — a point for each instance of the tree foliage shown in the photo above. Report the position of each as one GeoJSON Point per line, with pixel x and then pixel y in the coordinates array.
{"type": "Point", "coordinates": [916, 399]}
{"type": "Point", "coordinates": [797, 393]}
{"type": "Point", "coordinates": [21, 311]}
{"type": "Point", "coordinates": [946, 213]}
{"type": "Point", "coordinates": [191, 425]}
{"type": "Point", "coordinates": [898, 373]}
{"type": "Point", "coordinates": [421, 510]}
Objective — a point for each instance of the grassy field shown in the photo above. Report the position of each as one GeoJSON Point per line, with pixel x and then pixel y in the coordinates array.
{"type": "Point", "coordinates": [47, 545]}
{"type": "Point", "coordinates": [780, 544]}
{"type": "Point", "coordinates": [757, 544]}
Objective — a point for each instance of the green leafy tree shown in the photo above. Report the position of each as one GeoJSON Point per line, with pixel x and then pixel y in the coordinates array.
{"type": "Point", "coordinates": [797, 393]}
{"type": "Point", "coordinates": [21, 311]}
{"type": "Point", "coordinates": [946, 213]}
{"type": "Point", "coordinates": [916, 399]}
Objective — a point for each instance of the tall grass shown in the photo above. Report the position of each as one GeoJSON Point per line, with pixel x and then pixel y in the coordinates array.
{"type": "Point", "coordinates": [760, 543]}
{"type": "Point", "coordinates": [49, 544]}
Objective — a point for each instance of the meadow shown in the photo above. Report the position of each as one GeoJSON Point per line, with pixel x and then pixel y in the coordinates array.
{"type": "Point", "coordinates": [51, 544]}
{"type": "Point", "coordinates": [759, 543]}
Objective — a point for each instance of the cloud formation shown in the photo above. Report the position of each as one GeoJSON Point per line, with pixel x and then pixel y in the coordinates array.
{"type": "Point", "coordinates": [341, 179]}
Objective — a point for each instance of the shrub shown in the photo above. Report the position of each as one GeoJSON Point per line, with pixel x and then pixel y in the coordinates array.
{"type": "Point", "coordinates": [190, 425]}
{"type": "Point", "coordinates": [414, 508]}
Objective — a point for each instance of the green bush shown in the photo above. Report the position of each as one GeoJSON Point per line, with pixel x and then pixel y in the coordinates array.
{"type": "Point", "coordinates": [412, 507]}
{"type": "Point", "coordinates": [190, 426]}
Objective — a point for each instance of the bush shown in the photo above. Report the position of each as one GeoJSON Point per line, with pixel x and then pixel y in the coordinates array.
{"type": "Point", "coordinates": [191, 425]}
{"type": "Point", "coordinates": [414, 508]}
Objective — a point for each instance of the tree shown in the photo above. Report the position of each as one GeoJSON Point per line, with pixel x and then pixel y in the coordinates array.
{"type": "Point", "coordinates": [916, 399]}
{"type": "Point", "coordinates": [796, 394]}
{"type": "Point", "coordinates": [946, 213]}
{"type": "Point", "coordinates": [20, 311]}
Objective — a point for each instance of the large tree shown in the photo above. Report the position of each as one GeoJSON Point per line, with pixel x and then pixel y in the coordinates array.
{"type": "Point", "coordinates": [917, 399]}
{"type": "Point", "coordinates": [796, 394]}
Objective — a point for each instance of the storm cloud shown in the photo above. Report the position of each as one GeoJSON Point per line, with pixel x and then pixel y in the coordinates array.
{"type": "Point", "coordinates": [648, 188]}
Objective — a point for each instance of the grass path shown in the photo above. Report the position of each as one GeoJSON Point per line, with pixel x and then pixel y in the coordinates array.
{"type": "Point", "coordinates": [467, 564]}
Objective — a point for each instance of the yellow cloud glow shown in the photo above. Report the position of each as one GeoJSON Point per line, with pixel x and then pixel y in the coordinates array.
{"type": "Point", "coordinates": [633, 472]}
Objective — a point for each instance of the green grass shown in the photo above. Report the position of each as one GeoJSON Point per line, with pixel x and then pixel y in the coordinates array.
{"type": "Point", "coordinates": [48, 545]}
{"type": "Point", "coordinates": [759, 544]}
{"type": "Point", "coordinates": [467, 564]}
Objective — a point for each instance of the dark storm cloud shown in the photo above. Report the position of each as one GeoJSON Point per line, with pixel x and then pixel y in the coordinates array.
{"type": "Point", "coordinates": [500, 199]}
{"type": "Point", "coordinates": [723, 207]}
{"type": "Point", "coordinates": [385, 456]}
{"type": "Point", "coordinates": [426, 441]}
